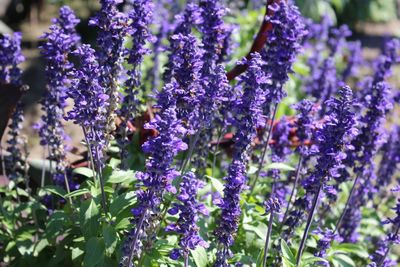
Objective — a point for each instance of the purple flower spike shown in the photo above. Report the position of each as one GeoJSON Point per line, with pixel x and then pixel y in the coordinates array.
{"type": "Point", "coordinates": [58, 44]}
{"type": "Point", "coordinates": [10, 58]}
{"type": "Point", "coordinates": [188, 210]}
{"type": "Point", "coordinates": [249, 110]}
{"type": "Point", "coordinates": [160, 172]}
{"type": "Point", "coordinates": [282, 47]}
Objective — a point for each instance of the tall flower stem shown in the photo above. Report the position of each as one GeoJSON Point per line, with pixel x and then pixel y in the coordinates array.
{"type": "Point", "coordinates": [3, 164]}
{"type": "Point", "coordinates": [90, 155]}
{"type": "Point", "coordinates": [67, 187]}
{"type": "Point", "coordinates": [339, 222]}
{"type": "Point", "coordinates": [135, 239]}
{"type": "Point", "coordinates": [186, 259]}
{"type": "Point", "coordinates": [292, 193]}
{"type": "Point", "coordinates": [266, 247]}
{"type": "Point", "coordinates": [215, 152]}
{"type": "Point", "coordinates": [190, 153]}
{"type": "Point", "coordinates": [100, 175]}
{"type": "Point", "coordinates": [43, 169]}
{"type": "Point", "coordinates": [269, 230]}
{"type": "Point", "coordinates": [308, 225]}
{"type": "Point", "coordinates": [264, 152]}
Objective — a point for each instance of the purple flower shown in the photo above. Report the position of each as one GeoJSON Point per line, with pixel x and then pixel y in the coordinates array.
{"type": "Point", "coordinates": [138, 30]}
{"type": "Point", "coordinates": [324, 243]}
{"type": "Point", "coordinates": [160, 172]}
{"type": "Point", "coordinates": [57, 46]}
{"type": "Point", "coordinates": [390, 159]}
{"type": "Point", "coordinates": [184, 67]}
{"type": "Point", "coordinates": [90, 101]}
{"type": "Point", "coordinates": [282, 47]}
{"type": "Point", "coordinates": [214, 32]}
{"type": "Point", "coordinates": [190, 17]}
{"type": "Point", "coordinates": [13, 161]}
{"type": "Point", "coordinates": [112, 30]}
{"type": "Point", "coordinates": [249, 111]}
{"type": "Point", "coordinates": [10, 58]}
{"type": "Point", "coordinates": [365, 146]}
{"type": "Point", "coordinates": [188, 210]}
{"type": "Point", "coordinates": [273, 204]}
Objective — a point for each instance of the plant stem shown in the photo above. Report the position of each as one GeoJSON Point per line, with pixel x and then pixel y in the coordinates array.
{"type": "Point", "coordinates": [186, 259]}
{"type": "Point", "coordinates": [3, 164]}
{"type": "Point", "coordinates": [261, 162]}
{"type": "Point", "coordinates": [67, 187]}
{"type": "Point", "coordinates": [267, 238]}
{"type": "Point", "coordinates": [190, 153]}
{"type": "Point", "coordinates": [90, 155]}
{"type": "Point", "coordinates": [292, 194]}
{"type": "Point", "coordinates": [135, 238]}
{"type": "Point", "coordinates": [43, 169]}
{"type": "Point", "coordinates": [220, 131]}
{"type": "Point", "coordinates": [100, 174]}
{"type": "Point", "coordinates": [308, 225]}
{"type": "Point", "coordinates": [339, 222]}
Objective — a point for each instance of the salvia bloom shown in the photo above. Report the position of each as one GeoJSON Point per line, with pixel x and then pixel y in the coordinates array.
{"type": "Point", "coordinates": [190, 18]}
{"type": "Point", "coordinates": [282, 47]}
{"type": "Point", "coordinates": [365, 146]}
{"type": "Point", "coordinates": [184, 66]}
{"type": "Point", "coordinates": [214, 32]}
{"type": "Point", "coordinates": [379, 254]}
{"type": "Point", "coordinates": [13, 161]}
{"type": "Point", "coordinates": [188, 210]}
{"type": "Point", "coordinates": [249, 117]}
{"type": "Point", "coordinates": [159, 170]}
{"type": "Point", "coordinates": [10, 57]}
{"type": "Point", "coordinates": [112, 26]}
{"type": "Point", "coordinates": [331, 138]}
{"type": "Point", "coordinates": [10, 73]}
{"type": "Point", "coordinates": [273, 204]}
{"type": "Point", "coordinates": [58, 44]}
{"type": "Point", "coordinates": [304, 125]}
{"type": "Point", "coordinates": [337, 38]}
{"type": "Point", "coordinates": [323, 244]}
{"type": "Point", "coordinates": [90, 101]}
{"type": "Point", "coordinates": [390, 159]}
{"type": "Point", "coordinates": [140, 18]}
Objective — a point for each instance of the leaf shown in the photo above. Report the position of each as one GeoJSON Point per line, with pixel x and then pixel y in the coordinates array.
{"type": "Point", "coordinates": [121, 202]}
{"type": "Point", "coordinates": [76, 253]}
{"type": "Point", "coordinates": [55, 190]}
{"type": "Point", "coordinates": [89, 216]}
{"type": "Point", "coordinates": [40, 246]}
{"type": "Point", "coordinates": [119, 176]}
{"type": "Point", "coordinates": [200, 257]}
{"type": "Point", "coordinates": [94, 252]}
{"type": "Point", "coordinates": [351, 248]}
{"type": "Point", "coordinates": [343, 260]}
{"type": "Point", "coordinates": [259, 230]}
{"type": "Point", "coordinates": [40, 164]}
{"type": "Point", "coordinates": [110, 239]}
{"type": "Point", "coordinates": [216, 184]}
{"type": "Point", "coordinates": [279, 166]}
{"type": "Point", "coordinates": [86, 172]}
{"type": "Point", "coordinates": [287, 253]}
{"type": "Point", "coordinates": [308, 261]}
{"type": "Point", "coordinates": [76, 193]}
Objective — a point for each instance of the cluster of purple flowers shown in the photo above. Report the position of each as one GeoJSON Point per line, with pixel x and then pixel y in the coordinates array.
{"type": "Point", "coordinates": [56, 48]}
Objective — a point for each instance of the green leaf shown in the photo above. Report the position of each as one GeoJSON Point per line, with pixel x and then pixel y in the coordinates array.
{"type": "Point", "coordinates": [259, 230]}
{"type": "Point", "coordinates": [40, 246]}
{"type": "Point", "coordinates": [121, 202]}
{"type": "Point", "coordinates": [89, 216]}
{"type": "Point", "coordinates": [200, 257]}
{"type": "Point", "coordinates": [287, 253]}
{"type": "Point", "coordinates": [94, 252]}
{"type": "Point", "coordinates": [76, 253]}
{"type": "Point", "coordinates": [351, 248]}
{"type": "Point", "coordinates": [110, 239]}
{"type": "Point", "coordinates": [87, 172]}
{"type": "Point", "coordinates": [119, 176]}
{"type": "Point", "coordinates": [40, 164]}
{"type": "Point", "coordinates": [76, 193]}
{"type": "Point", "coordinates": [310, 259]}
{"type": "Point", "coordinates": [279, 166]}
{"type": "Point", "coordinates": [55, 190]}
{"type": "Point", "coordinates": [216, 184]}
{"type": "Point", "coordinates": [343, 260]}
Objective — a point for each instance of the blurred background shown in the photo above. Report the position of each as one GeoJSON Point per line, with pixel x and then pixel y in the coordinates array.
{"type": "Point", "coordinates": [370, 20]}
